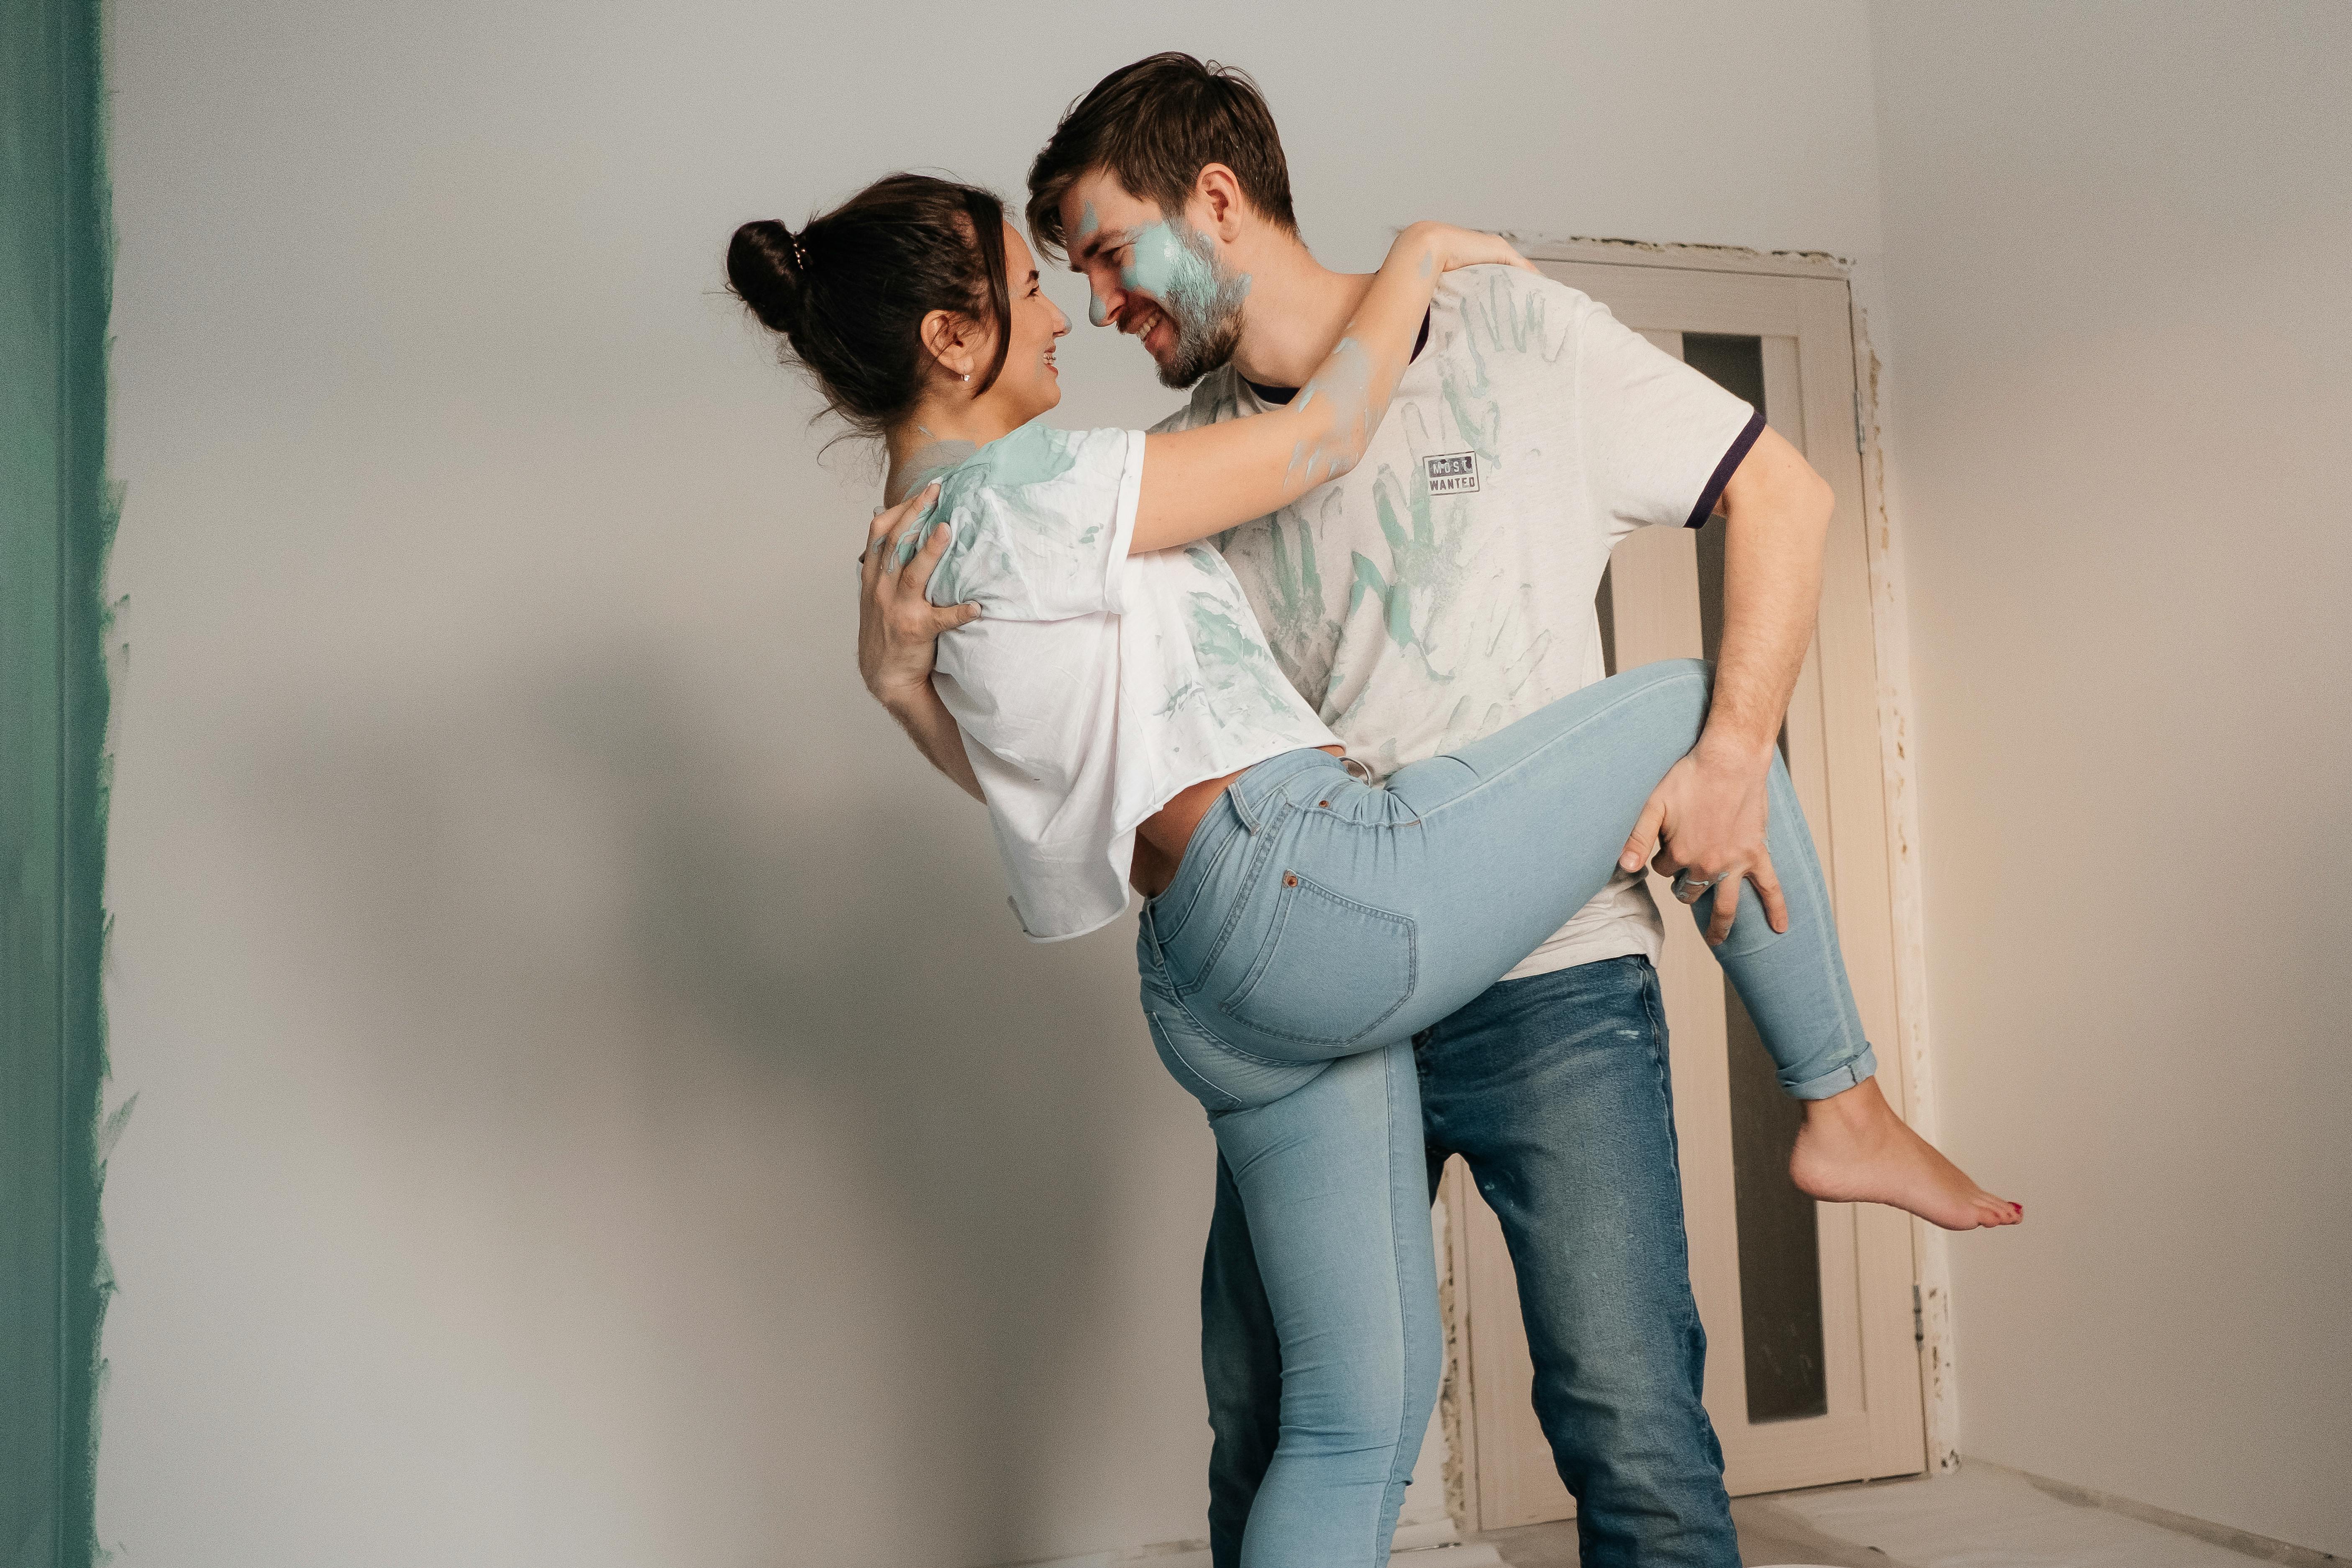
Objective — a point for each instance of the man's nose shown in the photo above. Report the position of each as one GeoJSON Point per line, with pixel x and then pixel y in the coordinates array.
{"type": "Point", "coordinates": [1102, 302]}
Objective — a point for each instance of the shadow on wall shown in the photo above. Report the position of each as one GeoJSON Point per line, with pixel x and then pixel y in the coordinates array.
{"type": "Point", "coordinates": [655, 989]}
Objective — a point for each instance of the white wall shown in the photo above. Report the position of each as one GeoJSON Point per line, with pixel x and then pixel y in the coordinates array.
{"type": "Point", "coordinates": [592, 1105]}
{"type": "Point", "coordinates": [2117, 255]}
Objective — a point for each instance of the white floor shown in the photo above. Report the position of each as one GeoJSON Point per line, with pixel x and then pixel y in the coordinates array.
{"type": "Point", "coordinates": [1982, 1518]}
{"type": "Point", "coordinates": [1985, 1517]}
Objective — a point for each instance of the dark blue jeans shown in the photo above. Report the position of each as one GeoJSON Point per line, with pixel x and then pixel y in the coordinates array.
{"type": "Point", "coordinates": [1555, 1090]}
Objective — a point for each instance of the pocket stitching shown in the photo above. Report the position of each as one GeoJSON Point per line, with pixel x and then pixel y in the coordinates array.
{"type": "Point", "coordinates": [1170, 931]}
{"type": "Point", "coordinates": [1264, 838]}
{"type": "Point", "coordinates": [1274, 938]}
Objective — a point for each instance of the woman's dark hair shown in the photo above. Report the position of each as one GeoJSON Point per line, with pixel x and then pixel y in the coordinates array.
{"type": "Point", "coordinates": [849, 292]}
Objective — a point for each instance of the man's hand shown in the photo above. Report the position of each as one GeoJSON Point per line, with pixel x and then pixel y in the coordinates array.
{"type": "Point", "coordinates": [1708, 817]}
{"type": "Point", "coordinates": [897, 629]}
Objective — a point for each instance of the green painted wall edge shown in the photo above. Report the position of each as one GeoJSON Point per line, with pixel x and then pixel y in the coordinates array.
{"type": "Point", "coordinates": [56, 521]}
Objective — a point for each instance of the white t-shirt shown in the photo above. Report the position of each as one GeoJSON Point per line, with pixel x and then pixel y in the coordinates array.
{"type": "Point", "coordinates": [1096, 685]}
{"type": "Point", "coordinates": [1443, 586]}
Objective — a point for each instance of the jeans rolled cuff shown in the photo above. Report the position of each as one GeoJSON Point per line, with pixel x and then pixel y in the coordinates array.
{"type": "Point", "coordinates": [1838, 1079]}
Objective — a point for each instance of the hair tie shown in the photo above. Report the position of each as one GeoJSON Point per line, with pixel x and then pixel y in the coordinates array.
{"type": "Point", "coordinates": [800, 256]}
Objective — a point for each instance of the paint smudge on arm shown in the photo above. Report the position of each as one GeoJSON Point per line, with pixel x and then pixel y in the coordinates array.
{"type": "Point", "coordinates": [1345, 385]}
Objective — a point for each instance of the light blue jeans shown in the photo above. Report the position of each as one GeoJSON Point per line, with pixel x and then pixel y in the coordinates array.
{"type": "Point", "coordinates": [1315, 925]}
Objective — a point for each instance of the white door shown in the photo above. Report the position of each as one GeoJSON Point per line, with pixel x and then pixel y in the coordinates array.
{"type": "Point", "coordinates": [1812, 1373]}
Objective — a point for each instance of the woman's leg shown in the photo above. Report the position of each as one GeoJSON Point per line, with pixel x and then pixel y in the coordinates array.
{"type": "Point", "coordinates": [1853, 1147]}
{"type": "Point", "coordinates": [1327, 1160]}
{"type": "Point", "coordinates": [1395, 906]}
{"type": "Point", "coordinates": [1343, 914]}
{"type": "Point", "coordinates": [1334, 1182]}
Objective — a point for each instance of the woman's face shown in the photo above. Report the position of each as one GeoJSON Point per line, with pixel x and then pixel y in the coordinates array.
{"type": "Point", "coordinates": [1029, 384]}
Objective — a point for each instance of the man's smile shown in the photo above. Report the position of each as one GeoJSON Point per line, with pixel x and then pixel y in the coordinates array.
{"type": "Point", "coordinates": [1141, 322]}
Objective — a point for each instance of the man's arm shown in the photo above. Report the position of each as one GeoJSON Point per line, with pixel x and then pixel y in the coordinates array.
{"type": "Point", "coordinates": [897, 635]}
{"type": "Point", "coordinates": [1709, 814]}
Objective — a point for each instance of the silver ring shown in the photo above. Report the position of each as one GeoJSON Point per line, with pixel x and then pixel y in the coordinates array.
{"type": "Point", "coordinates": [1687, 887]}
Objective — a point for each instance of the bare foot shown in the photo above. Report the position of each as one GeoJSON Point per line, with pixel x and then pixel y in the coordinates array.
{"type": "Point", "coordinates": [1853, 1149]}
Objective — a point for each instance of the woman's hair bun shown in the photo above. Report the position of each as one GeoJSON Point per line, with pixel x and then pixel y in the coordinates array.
{"type": "Point", "coordinates": [764, 266]}
{"type": "Point", "coordinates": [905, 246]}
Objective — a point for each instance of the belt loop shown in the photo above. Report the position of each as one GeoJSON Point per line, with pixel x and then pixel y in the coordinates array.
{"type": "Point", "coordinates": [1270, 778]}
{"type": "Point", "coordinates": [1244, 808]}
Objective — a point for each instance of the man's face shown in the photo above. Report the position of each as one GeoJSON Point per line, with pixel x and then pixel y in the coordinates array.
{"type": "Point", "coordinates": [1159, 279]}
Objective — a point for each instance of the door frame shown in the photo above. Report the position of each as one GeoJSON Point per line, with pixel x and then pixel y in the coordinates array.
{"type": "Point", "coordinates": [57, 519]}
{"type": "Point", "coordinates": [1887, 645]}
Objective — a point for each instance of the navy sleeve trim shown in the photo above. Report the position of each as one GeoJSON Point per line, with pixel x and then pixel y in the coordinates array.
{"type": "Point", "coordinates": [1724, 470]}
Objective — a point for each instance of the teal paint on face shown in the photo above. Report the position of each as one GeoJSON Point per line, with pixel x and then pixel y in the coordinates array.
{"type": "Point", "coordinates": [1089, 226]}
{"type": "Point", "coordinates": [1176, 265]}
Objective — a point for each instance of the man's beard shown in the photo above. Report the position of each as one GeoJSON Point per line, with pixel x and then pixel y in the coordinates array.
{"type": "Point", "coordinates": [1202, 301]}
{"type": "Point", "coordinates": [1200, 346]}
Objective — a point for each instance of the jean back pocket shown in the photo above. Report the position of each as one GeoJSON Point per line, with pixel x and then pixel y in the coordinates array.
{"type": "Point", "coordinates": [1331, 970]}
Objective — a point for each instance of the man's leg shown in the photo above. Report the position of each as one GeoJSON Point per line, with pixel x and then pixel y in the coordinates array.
{"type": "Point", "coordinates": [1241, 1363]}
{"type": "Point", "coordinates": [1555, 1090]}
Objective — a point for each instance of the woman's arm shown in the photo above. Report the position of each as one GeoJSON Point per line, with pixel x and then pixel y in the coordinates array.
{"type": "Point", "coordinates": [897, 632]}
{"type": "Point", "coordinates": [1199, 482]}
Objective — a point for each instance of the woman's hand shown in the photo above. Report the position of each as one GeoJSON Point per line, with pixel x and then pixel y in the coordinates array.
{"type": "Point", "coordinates": [1455, 248]}
{"type": "Point", "coordinates": [897, 629]}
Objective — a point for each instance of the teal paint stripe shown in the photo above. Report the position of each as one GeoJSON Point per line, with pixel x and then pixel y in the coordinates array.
{"type": "Point", "coordinates": [57, 523]}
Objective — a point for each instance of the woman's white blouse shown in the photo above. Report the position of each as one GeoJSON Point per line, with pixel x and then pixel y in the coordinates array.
{"type": "Point", "coordinates": [1094, 685]}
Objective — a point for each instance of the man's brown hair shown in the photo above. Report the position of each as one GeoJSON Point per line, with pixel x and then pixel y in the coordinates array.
{"type": "Point", "coordinates": [1154, 126]}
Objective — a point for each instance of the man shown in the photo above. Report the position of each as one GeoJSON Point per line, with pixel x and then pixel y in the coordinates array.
{"type": "Point", "coordinates": [1437, 592]}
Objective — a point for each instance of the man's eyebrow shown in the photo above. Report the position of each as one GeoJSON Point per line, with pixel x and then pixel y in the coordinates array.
{"type": "Point", "coordinates": [1102, 239]}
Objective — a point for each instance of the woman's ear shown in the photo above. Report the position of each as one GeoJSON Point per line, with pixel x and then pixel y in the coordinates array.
{"type": "Point", "coordinates": [948, 338]}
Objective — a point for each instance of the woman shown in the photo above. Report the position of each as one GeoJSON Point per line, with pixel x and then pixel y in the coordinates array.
{"type": "Point", "coordinates": [1125, 721]}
